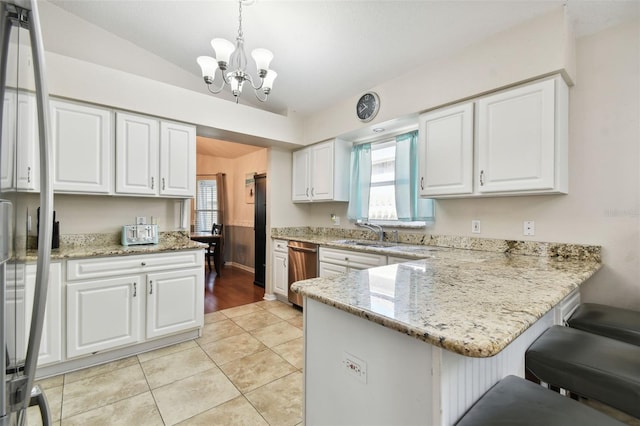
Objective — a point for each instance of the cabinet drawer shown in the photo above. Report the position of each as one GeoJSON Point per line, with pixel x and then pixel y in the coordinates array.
{"type": "Point", "coordinates": [120, 265]}
{"type": "Point", "coordinates": [280, 245]}
{"type": "Point", "coordinates": [352, 259]}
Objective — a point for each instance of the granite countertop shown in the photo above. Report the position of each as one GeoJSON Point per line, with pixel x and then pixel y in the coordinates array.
{"type": "Point", "coordinates": [95, 245]}
{"type": "Point", "coordinates": [468, 295]}
{"type": "Point", "coordinates": [470, 302]}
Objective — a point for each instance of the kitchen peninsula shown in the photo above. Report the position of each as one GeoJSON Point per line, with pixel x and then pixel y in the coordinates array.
{"type": "Point", "coordinates": [419, 342]}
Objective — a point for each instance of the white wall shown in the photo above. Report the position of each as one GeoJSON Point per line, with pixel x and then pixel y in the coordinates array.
{"type": "Point", "coordinates": [540, 46]}
{"type": "Point", "coordinates": [603, 204]}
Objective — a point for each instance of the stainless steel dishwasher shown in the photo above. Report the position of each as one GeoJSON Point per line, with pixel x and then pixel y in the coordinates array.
{"type": "Point", "coordinates": [303, 264]}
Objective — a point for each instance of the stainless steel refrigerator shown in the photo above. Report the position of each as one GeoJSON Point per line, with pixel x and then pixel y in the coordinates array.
{"type": "Point", "coordinates": [24, 186]}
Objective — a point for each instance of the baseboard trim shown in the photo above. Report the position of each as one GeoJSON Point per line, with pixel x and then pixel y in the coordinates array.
{"type": "Point", "coordinates": [240, 266]}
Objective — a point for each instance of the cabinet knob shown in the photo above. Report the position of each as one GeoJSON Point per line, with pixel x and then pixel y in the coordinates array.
{"type": "Point", "coordinates": [143, 263]}
{"type": "Point", "coordinates": [346, 258]}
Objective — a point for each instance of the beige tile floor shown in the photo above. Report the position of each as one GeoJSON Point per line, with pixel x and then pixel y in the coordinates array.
{"type": "Point", "coordinates": [246, 369]}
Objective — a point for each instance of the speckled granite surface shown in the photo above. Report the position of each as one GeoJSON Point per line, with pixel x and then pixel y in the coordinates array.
{"type": "Point", "coordinates": [334, 237]}
{"type": "Point", "coordinates": [92, 245]}
{"type": "Point", "coordinates": [470, 302]}
{"type": "Point", "coordinates": [471, 296]}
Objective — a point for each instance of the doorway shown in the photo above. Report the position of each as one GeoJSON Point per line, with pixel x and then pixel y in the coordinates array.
{"type": "Point", "coordinates": [260, 227]}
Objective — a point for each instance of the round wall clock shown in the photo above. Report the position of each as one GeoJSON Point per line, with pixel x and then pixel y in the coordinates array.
{"type": "Point", "coordinates": [367, 106]}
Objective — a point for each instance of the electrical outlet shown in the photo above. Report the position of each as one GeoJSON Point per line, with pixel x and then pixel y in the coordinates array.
{"type": "Point", "coordinates": [355, 367]}
{"type": "Point", "coordinates": [529, 227]}
{"type": "Point", "coordinates": [475, 226]}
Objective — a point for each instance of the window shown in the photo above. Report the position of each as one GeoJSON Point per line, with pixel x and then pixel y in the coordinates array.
{"type": "Point", "coordinates": [382, 193]}
{"type": "Point", "coordinates": [384, 183]}
{"type": "Point", "coordinates": [206, 205]}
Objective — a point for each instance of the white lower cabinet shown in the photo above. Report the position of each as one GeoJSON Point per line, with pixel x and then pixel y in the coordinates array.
{"type": "Point", "coordinates": [103, 314]}
{"type": "Point", "coordinates": [280, 274]}
{"type": "Point", "coordinates": [335, 261]}
{"type": "Point", "coordinates": [123, 300]}
{"type": "Point", "coordinates": [20, 292]}
{"type": "Point", "coordinates": [175, 301]}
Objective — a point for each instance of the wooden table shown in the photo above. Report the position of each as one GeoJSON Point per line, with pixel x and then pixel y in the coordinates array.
{"type": "Point", "coordinates": [211, 239]}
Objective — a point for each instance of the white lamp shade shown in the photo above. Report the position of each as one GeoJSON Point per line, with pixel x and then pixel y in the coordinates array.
{"type": "Point", "coordinates": [268, 79]}
{"type": "Point", "coordinates": [208, 65]}
{"type": "Point", "coordinates": [262, 57]}
{"type": "Point", "coordinates": [223, 48]}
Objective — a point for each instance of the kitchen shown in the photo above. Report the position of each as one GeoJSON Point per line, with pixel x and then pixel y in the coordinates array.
{"type": "Point", "coordinates": [600, 208]}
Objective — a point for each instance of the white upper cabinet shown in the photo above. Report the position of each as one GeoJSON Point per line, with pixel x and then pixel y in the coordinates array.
{"type": "Point", "coordinates": [321, 172]}
{"type": "Point", "coordinates": [154, 157]}
{"type": "Point", "coordinates": [177, 160]}
{"type": "Point", "coordinates": [517, 138]}
{"type": "Point", "coordinates": [137, 154]}
{"type": "Point", "coordinates": [446, 151]}
{"type": "Point", "coordinates": [520, 144]}
{"type": "Point", "coordinates": [20, 150]}
{"type": "Point", "coordinates": [300, 175]}
{"type": "Point", "coordinates": [82, 146]}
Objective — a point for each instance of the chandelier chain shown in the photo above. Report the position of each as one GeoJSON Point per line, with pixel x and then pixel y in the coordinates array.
{"type": "Point", "coordinates": [240, 35]}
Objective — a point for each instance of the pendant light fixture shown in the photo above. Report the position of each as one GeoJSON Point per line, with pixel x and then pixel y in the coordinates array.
{"type": "Point", "coordinates": [232, 62]}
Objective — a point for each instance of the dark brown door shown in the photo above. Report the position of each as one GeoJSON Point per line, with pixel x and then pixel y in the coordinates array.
{"type": "Point", "coordinates": [260, 223]}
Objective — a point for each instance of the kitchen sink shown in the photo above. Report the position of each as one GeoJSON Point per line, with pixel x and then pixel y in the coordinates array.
{"type": "Point", "coordinates": [365, 243]}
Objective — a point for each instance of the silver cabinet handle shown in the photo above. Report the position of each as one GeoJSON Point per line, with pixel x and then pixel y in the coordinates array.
{"type": "Point", "coordinates": [307, 192]}
{"type": "Point", "coordinates": [422, 183]}
{"type": "Point", "coordinates": [163, 184]}
{"type": "Point", "coordinates": [135, 289]}
{"type": "Point", "coordinates": [150, 287]}
{"type": "Point", "coordinates": [152, 182]}
{"type": "Point", "coordinates": [312, 194]}
{"type": "Point", "coordinates": [284, 262]}
{"type": "Point", "coordinates": [481, 177]}
{"type": "Point", "coordinates": [28, 174]}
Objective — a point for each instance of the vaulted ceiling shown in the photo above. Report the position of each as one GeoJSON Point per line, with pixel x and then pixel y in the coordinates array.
{"type": "Point", "coordinates": [325, 51]}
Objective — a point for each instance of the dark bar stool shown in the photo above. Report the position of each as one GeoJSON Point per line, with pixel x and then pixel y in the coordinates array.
{"type": "Point", "coordinates": [515, 401]}
{"type": "Point", "coordinates": [588, 365]}
{"type": "Point", "coordinates": [616, 323]}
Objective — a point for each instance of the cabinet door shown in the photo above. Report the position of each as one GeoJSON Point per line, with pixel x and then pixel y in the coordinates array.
{"type": "Point", "coordinates": [516, 139]}
{"type": "Point", "coordinates": [82, 145]}
{"type": "Point", "coordinates": [51, 341]}
{"type": "Point", "coordinates": [300, 190]}
{"type": "Point", "coordinates": [322, 172]}
{"type": "Point", "coordinates": [280, 273]}
{"type": "Point", "coordinates": [27, 152]}
{"type": "Point", "coordinates": [137, 154]}
{"type": "Point", "coordinates": [103, 314]}
{"type": "Point", "coordinates": [14, 311]}
{"type": "Point", "coordinates": [8, 141]}
{"type": "Point", "coordinates": [327, 270]}
{"type": "Point", "coordinates": [446, 151]}
{"type": "Point", "coordinates": [175, 301]}
{"type": "Point", "coordinates": [177, 160]}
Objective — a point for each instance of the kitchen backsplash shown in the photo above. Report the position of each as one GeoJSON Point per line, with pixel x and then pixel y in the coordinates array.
{"type": "Point", "coordinates": [531, 248]}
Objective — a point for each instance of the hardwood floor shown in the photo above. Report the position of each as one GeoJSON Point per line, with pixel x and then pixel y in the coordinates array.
{"type": "Point", "coordinates": [234, 287]}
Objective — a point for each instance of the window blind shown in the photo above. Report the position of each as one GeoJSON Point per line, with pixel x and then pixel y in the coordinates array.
{"type": "Point", "coordinates": [206, 205]}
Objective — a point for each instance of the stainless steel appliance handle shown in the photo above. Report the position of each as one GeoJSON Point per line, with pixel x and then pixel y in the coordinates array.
{"type": "Point", "coordinates": [304, 249]}
{"type": "Point", "coordinates": [46, 206]}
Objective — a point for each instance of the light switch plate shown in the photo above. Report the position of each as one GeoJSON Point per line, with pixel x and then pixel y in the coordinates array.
{"type": "Point", "coordinates": [475, 226]}
{"type": "Point", "coordinates": [529, 227]}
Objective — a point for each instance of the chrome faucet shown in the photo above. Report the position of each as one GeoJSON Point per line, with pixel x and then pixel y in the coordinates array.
{"type": "Point", "coordinates": [372, 227]}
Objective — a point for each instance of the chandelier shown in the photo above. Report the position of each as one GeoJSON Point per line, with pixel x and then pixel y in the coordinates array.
{"type": "Point", "coordinates": [233, 57]}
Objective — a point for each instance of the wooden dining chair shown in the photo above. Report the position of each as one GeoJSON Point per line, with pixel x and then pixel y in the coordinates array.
{"type": "Point", "coordinates": [215, 249]}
